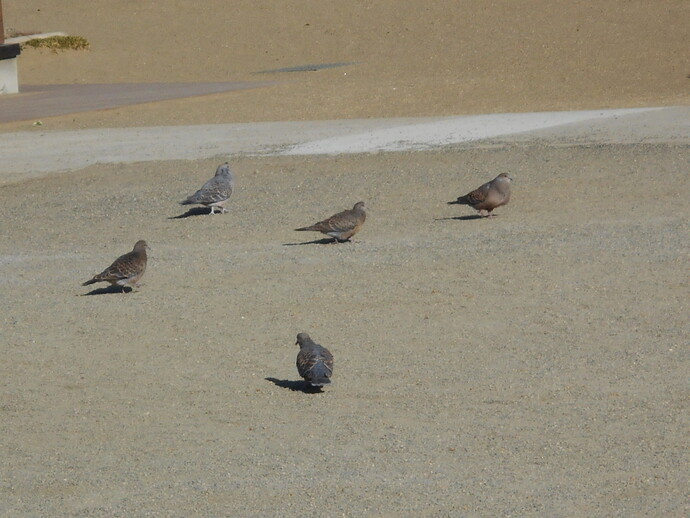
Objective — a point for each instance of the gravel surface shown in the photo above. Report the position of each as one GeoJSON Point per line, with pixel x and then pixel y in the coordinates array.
{"type": "Point", "coordinates": [531, 364]}
{"type": "Point", "coordinates": [534, 363]}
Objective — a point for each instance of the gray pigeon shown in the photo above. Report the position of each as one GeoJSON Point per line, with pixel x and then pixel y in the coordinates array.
{"type": "Point", "coordinates": [314, 363]}
{"type": "Point", "coordinates": [489, 196]}
{"type": "Point", "coordinates": [126, 270]}
{"type": "Point", "coordinates": [215, 192]}
{"type": "Point", "coordinates": [341, 226]}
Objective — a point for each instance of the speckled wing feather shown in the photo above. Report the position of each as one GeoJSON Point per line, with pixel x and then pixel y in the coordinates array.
{"type": "Point", "coordinates": [489, 196]}
{"type": "Point", "coordinates": [314, 362]}
{"type": "Point", "coordinates": [126, 270]}
{"type": "Point", "coordinates": [477, 196]}
{"type": "Point", "coordinates": [217, 189]}
{"type": "Point", "coordinates": [342, 225]}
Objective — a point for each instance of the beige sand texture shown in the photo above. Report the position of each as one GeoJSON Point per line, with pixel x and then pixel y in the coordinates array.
{"type": "Point", "coordinates": [412, 58]}
{"type": "Point", "coordinates": [530, 364]}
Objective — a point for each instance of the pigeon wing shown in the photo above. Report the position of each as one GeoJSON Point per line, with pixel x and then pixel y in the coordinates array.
{"type": "Point", "coordinates": [124, 267]}
{"type": "Point", "coordinates": [315, 364]}
{"type": "Point", "coordinates": [341, 222]}
{"type": "Point", "coordinates": [215, 190]}
{"type": "Point", "coordinates": [479, 195]}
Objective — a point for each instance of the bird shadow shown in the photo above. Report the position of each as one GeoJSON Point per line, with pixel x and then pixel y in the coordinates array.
{"type": "Point", "coordinates": [194, 211]}
{"type": "Point", "coordinates": [469, 217]}
{"type": "Point", "coordinates": [109, 290]}
{"type": "Point", "coordinates": [324, 241]}
{"type": "Point", "coordinates": [295, 386]}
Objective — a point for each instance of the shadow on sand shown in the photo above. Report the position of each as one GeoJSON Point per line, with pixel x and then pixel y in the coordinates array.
{"type": "Point", "coordinates": [109, 290]}
{"type": "Point", "coordinates": [295, 386]}
{"type": "Point", "coordinates": [324, 241]}
{"type": "Point", "coordinates": [469, 217]}
{"type": "Point", "coordinates": [194, 211]}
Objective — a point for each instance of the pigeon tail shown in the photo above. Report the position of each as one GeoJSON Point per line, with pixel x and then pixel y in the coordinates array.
{"type": "Point", "coordinates": [320, 375]}
{"type": "Point", "coordinates": [311, 228]}
{"type": "Point", "coordinates": [90, 281]}
{"type": "Point", "coordinates": [462, 200]}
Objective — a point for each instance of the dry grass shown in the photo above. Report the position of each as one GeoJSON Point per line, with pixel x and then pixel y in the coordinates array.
{"type": "Point", "coordinates": [56, 43]}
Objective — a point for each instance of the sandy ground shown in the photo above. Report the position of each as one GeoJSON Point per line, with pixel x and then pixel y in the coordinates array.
{"type": "Point", "coordinates": [411, 58]}
{"type": "Point", "coordinates": [534, 363]}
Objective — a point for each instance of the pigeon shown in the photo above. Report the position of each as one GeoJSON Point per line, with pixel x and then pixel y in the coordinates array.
{"type": "Point", "coordinates": [341, 226]}
{"type": "Point", "coordinates": [314, 363]}
{"type": "Point", "coordinates": [126, 270]}
{"type": "Point", "coordinates": [489, 196]}
{"type": "Point", "coordinates": [215, 192]}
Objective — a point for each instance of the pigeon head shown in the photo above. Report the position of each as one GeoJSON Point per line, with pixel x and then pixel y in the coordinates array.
{"type": "Point", "coordinates": [302, 339]}
{"type": "Point", "coordinates": [223, 170]}
{"type": "Point", "coordinates": [360, 205]}
{"type": "Point", "coordinates": [504, 176]}
{"type": "Point", "coordinates": [140, 246]}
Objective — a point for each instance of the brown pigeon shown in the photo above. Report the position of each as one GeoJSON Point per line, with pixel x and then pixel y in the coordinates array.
{"type": "Point", "coordinates": [126, 270]}
{"type": "Point", "coordinates": [215, 192]}
{"type": "Point", "coordinates": [341, 226]}
{"type": "Point", "coordinates": [314, 363]}
{"type": "Point", "coordinates": [489, 196]}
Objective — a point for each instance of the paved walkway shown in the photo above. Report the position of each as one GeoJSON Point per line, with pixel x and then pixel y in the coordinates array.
{"type": "Point", "coordinates": [36, 102]}
{"type": "Point", "coordinates": [35, 153]}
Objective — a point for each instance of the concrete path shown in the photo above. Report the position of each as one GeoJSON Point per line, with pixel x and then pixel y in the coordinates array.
{"type": "Point", "coordinates": [34, 102]}
{"type": "Point", "coordinates": [36, 153]}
